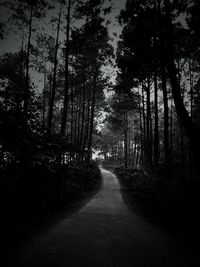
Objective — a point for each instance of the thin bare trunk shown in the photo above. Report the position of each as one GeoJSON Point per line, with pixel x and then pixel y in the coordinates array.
{"type": "Point", "coordinates": [191, 112]}
{"type": "Point", "coordinates": [125, 140]}
{"type": "Point", "coordinates": [52, 97]}
{"type": "Point", "coordinates": [149, 144]}
{"type": "Point", "coordinates": [83, 118]}
{"type": "Point", "coordinates": [92, 118]}
{"type": "Point", "coordinates": [141, 133]}
{"type": "Point", "coordinates": [72, 113]}
{"type": "Point", "coordinates": [66, 97]}
{"type": "Point", "coordinates": [156, 137]}
{"type": "Point", "coordinates": [166, 121]}
{"type": "Point", "coordinates": [44, 99]}
{"type": "Point", "coordinates": [144, 126]}
{"type": "Point", "coordinates": [78, 121]}
{"type": "Point", "coordinates": [171, 129]}
{"type": "Point", "coordinates": [26, 88]}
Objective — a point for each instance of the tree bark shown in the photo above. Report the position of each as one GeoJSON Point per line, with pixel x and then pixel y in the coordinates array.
{"type": "Point", "coordinates": [83, 118]}
{"type": "Point", "coordinates": [86, 130]}
{"type": "Point", "coordinates": [171, 130]}
{"type": "Point", "coordinates": [148, 125]}
{"type": "Point", "coordinates": [182, 113]}
{"type": "Point", "coordinates": [72, 113]}
{"type": "Point", "coordinates": [66, 96]}
{"type": "Point", "coordinates": [125, 140]}
{"type": "Point", "coordinates": [44, 98]}
{"type": "Point", "coordinates": [134, 155]}
{"type": "Point", "coordinates": [78, 121]}
{"type": "Point", "coordinates": [144, 125]}
{"type": "Point", "coordinates": [156, 137]}
{"type": "Point", "coordinates": [92, 118]}
{"type": "Point", "coordinates": [26, 88]}
{"type": "Point", "coordinates": [166, 121]}
{"type": "Point", "coordinates": [191, 111]}
{"type": "Point", "coordinates": [52, 96]}
{"type": "Point", "coordinates": [141, 133]}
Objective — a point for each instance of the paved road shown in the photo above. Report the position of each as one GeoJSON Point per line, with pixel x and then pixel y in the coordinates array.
{"type": "Point", "coordinates": [105, 233]}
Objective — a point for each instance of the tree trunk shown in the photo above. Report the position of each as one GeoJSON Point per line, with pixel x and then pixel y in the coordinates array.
{"type": "Point", "coordinates": [44, 99]}
{"type": "Point", "coordinates": [156, 140]}
{"type": "Point", "coordinates": [83, 118]}
{"type": "Point", "coordinates": [78, 122]}
{"type": "Point", "coordinates": [166, 122]}
{"type": "Point", "coordinates": [52, 97]}
{"type": "Point", "coordinates": [141, 133]}
{"type": "Point", "coordinates": [151, 139]}
{"type": "Point", "coordinates": [144, 126]}
{"type": "Point", "coordinates": [148, 125]}
{"type": "Point", "coordinates": [75, 123]}
{"type": "Point", "coordinates": [191, 112]}
{"type": "Point", "coordinates": [129, 147]}
{"type": "Point", "coordinates": [66, 97]}
{"type": "Point", "coordinates": [182, 113]}
{"type": "Point", "coordinates": [18, 98]}
{"type": "Point", "coordinates": [125, 140]}
{"type": "Point", "coordinates": [26, 88]}
{"type": "Point", "coordinates": [182, 145]}
{"type": "Point", "coordinates": [86, 130]}
{"type": "Point", "coordinates": [171, 129]}
{"type": "Point", "coordinates": [92, 118]}
{"type": "Point", "coordinates": [72, 113]}
{"type": "Point", "coordinates": [137, 156]}
{"type": "Point", "coordinates": [134, 155]}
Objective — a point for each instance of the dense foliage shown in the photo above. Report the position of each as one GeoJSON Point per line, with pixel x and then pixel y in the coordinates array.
{"type": "Point", "coordinates": [47, 126]}
{"type": "Point", "coordinates": [155, 106]}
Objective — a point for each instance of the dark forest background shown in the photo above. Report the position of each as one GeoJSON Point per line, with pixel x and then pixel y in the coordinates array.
{"type": "Point", "coordinates": [136, 105]}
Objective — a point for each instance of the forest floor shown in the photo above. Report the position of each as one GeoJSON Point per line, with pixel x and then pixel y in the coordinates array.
{"type": "Point", "coordinates": [171, 204]}
{"type": "Point", "coordinates": [103, 233]}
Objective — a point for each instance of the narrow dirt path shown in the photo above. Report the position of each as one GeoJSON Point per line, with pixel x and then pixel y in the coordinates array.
{"type": "Point", "coordinates": [102, 234]}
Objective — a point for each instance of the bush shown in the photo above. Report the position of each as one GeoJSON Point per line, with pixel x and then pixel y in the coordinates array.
{"type": "Point", "coordinates": [31, 192]}
{"type": "Point", "coordinates": [169, 202]}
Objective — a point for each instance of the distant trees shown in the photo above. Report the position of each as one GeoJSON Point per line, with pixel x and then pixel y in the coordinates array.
{"type": "Point", "coordinates": [153, 55]}
{"type": "Point", "coordinates": [118, 141]}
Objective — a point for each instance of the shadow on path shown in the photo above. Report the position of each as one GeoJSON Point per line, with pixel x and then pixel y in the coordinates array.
{"type": "Point", "coordinates": [104, 233]}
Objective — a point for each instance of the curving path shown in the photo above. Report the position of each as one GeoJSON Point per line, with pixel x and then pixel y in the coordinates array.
{"type": "Point", "coordinates": [102, 234]}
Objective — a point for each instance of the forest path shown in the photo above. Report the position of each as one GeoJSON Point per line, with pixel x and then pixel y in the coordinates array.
{"type": "Point", "coordinates": [104, 233]}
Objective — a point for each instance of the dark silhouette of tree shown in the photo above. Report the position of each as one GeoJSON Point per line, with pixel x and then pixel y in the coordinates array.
{"type": "Point", "coordinates": [182, 112]}
{"type": "Point", "coordinates": [2, 26]}
{"type": "Point", "coordinates": [95, 39]}
{"type": "Point", "coordinates": [53, 90]}
{"type": "Point", "coordinates": [66, 98]}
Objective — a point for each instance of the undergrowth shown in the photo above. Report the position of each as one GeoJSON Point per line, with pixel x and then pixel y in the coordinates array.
{"type": "Point", "coordinates": [172, 203]}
